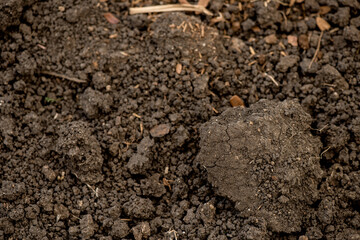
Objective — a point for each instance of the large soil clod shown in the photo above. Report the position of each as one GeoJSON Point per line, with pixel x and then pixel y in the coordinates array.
{"type": "Point", "coordinates": [266, 160]}
{"type": "Point", "coordinates": [81, 151]}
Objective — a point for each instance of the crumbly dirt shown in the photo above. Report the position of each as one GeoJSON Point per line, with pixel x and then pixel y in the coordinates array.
{"type": "Point", "coordinates": [112, 155]}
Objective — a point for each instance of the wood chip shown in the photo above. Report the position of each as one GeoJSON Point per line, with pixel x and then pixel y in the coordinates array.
{"type": "Point", "coordinates": [236, 101]}
{"type": "Point", "coordinates": [252, 51]}
{"type": "Point", "coordinates": [202, 31]}
{"type": "Point", "coordinates": [160, 130]}
{"type": "Point", "coordinates": [141, 127]}
{"type": "Point", "coordinates": [322, 24]}
{"type": "Point", "coordinates": [136, 115]}
{"type": "Point", "coordinates": [292, 40]}
{"type": "Point", "coordinates": [113, 36]}
{"type": "Point", "coordinates": [111, 18]}
{"type": "Point", "coordinates": [178, 68]}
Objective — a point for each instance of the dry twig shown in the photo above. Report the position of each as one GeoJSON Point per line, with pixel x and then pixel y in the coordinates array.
{"type": "Point", "coordinates": [170, 8]}
{"type": "Point", "coordinates": [174, 233]}
{"type": "Point", "coordinates": [327, 149]}
{"type": "Point", "coordinates": [63, 76]}
{"type": "Point", "coordinates": [317, 49]}
{"type": "Point", "coordinates": [272, 79]}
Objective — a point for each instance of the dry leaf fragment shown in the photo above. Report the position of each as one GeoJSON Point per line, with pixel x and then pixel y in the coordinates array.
{"type": "Point", "coordinates": [236, 101]}
{"type": "Point", "coordinates": [256, 29]}
{"type": "Point", "coordinates": [271, 39]}
{"type": "Point", "coordinates": [178, 68]}
{"type": "Point", "coordinates": [111, 18]}
{"type": "Point", "coordinates": [160, 130]}
{"type": "Point", "coordinates": [322, 24]}
{"type": "Point", "coordinates": [292, 40]}
{"type": "Point", "coordinates": [324, 10]}
{"type": "Point", "coordinates": [304, 41]}
{"type": "Point", "coordinates": [292, 2]}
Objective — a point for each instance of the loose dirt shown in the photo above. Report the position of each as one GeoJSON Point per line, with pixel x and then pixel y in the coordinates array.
{"type": "Point", "coordinates": [100, 123]}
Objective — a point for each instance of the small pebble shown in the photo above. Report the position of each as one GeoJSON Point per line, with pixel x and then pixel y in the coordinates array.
{"type": "Point", "coordinates": [303, 237]}
{"type": "Point", "coordinates": [236, 101]}
{"type": "Point", "coordinates": [61, 8]}
{"type": "Point", "coordinates": [293, 40]}
{"type": "Point", "coordinates": [160, 130]}
{"type": "Point", "coordinates": [271, 39]}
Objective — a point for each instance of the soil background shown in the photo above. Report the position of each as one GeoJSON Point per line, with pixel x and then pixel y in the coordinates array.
{"type": "Point", "coordinates": [99, 122]}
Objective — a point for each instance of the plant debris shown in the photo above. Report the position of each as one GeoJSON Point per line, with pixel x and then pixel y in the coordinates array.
{"type": "Point", "coordinates": [170, 8]}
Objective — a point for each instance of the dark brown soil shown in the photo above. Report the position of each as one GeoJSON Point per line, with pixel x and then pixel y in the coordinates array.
{"type": "Point", "coordinates": [100, 123]}
{"type": "Point", "coordinates": [265, 159]}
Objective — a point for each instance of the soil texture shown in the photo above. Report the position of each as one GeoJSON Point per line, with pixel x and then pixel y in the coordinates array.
{"type": "Point", "coordinates": [240, 125]}
{"type": "Point", "coordinates": [265, 159]}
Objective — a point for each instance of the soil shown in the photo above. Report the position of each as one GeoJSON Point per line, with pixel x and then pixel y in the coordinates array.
{"type": "Point", "coordinates": [103, 127]}
{"type": "Point", "coordinates": [265, 159]}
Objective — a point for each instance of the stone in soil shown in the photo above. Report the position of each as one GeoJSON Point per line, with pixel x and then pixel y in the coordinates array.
{"type": "Point", "coordinates": [160, 130]}
{"type": "Point", "coordinates": [265, 159]}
